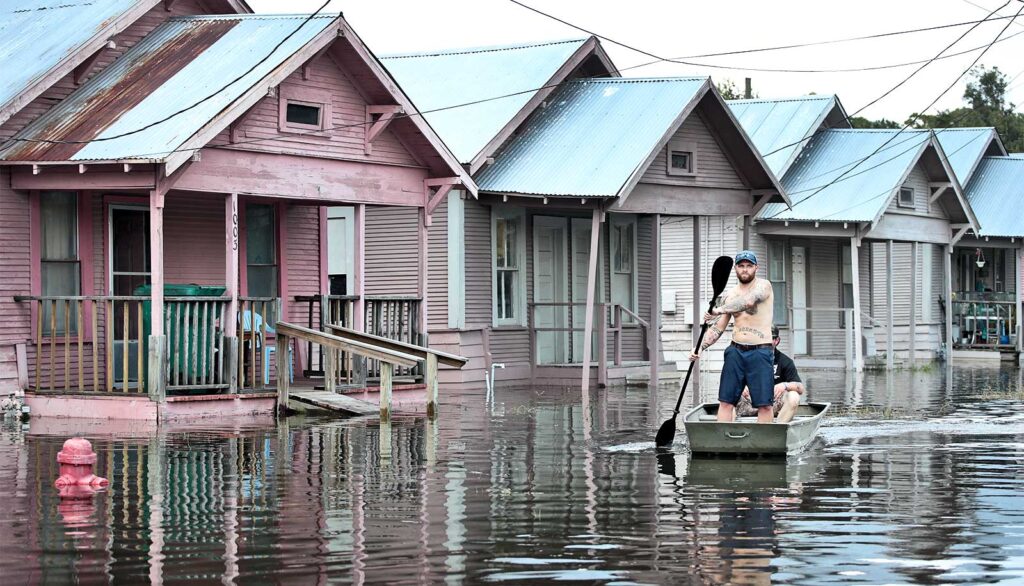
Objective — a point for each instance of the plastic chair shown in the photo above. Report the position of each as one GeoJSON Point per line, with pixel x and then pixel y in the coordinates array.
{"type": "Point", "coordinates": [268, 349]}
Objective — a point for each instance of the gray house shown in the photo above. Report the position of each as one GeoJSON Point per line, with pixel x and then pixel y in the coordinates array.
{"type": "Point", "coordinates": [563, 245]}
{"type": "Point", "coordinates": [858, 262]}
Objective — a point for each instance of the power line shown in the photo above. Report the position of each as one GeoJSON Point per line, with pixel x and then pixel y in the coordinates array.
{"type": "Point", "coordinates": [915, 117]}
{"type": "Point", "coordinates": [201, 101]}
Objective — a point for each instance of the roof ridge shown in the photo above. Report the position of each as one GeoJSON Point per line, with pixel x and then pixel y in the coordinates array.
{"type": "Point", "coordinates": [484, 49]}
{"type": "Point", "coordinates": [289, 16]}
{"type": "Point", "coordinates": [777, 100]}
{"type": "Point", "coordinates": [634, 79]}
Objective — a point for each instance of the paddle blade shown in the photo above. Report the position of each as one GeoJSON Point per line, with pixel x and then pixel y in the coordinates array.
{"type": "Point", "coordinates": [666, 433]}
{"type": "Point", "coordinates": [720, 272]}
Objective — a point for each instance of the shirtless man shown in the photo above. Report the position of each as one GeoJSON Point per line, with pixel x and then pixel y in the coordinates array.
{"type": "Point", "coordinates": [748, 360]}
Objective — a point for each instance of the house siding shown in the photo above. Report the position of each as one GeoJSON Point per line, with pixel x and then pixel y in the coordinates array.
{"type": "Point", "coordinates": [15, 278]}
{"type": "Point", "coordinates": [347, 123]}
{"type": "Point", "coordinates": [918, 181]}
{"type": "Point", "coordinates": [392, 250]}
{"type": "Point", "coordinates": [437, 268]}
{"type": "Point", "coordinates": [301, 259]}
{"type": "Point", "coordinates": [713, 166]}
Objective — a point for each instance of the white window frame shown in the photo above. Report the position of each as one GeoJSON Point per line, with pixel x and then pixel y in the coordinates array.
{"type": "Point", "coordinates": [615, 221]}
{"type": "Point", "coordinates": [899, 198]}
{"type": "Point", "coordinates": [519, 216]}
{"type": "Point", "coordinates": [681, 146]}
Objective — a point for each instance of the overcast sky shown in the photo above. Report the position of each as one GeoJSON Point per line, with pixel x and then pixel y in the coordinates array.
{"type": "Point", "coordinates": [685, 28]}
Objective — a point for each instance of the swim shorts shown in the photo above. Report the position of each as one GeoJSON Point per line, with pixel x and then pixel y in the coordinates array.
{"type": "Point", "coordinates": [751, 368]}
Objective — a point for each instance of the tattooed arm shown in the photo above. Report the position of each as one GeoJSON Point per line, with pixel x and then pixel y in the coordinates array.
{"type": "Point", "coordinates": [744, 301]}
{"type": "Point", "coordinates": [715, 331]}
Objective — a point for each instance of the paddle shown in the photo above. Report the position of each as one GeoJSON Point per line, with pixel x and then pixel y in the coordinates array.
{"type": "Point", "coordinates": [719, 277]}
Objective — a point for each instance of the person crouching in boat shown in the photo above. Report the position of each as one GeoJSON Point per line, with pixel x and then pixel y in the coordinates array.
{"type": "Point", "coordinates": [788, 387]}
{"type": "Point", "coordinates": [749, 359]}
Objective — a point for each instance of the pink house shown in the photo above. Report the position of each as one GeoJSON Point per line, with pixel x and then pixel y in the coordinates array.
{"type": "Point", "coordinates": [224, 173]}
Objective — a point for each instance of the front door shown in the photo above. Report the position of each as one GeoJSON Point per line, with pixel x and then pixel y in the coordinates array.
{"type": "Point", "coordinates": [580, 273]}
{"type": "Point", "coordinates": [799, 267]}
{"type": "Point", "coordinates": [129, 269]}
{"type": "Point", "coordinates": [550, 286]}
{"type": "Point", "coordinates": [340, 247]}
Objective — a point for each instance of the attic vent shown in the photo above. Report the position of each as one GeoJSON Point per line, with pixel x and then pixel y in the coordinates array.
{"type": "Point", "coordinates": [303, 114]}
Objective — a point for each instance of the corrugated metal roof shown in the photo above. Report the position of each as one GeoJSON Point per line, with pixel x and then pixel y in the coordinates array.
{"type": "Point", "coordinates": [776, 126]}
{"type": "Point", "coordinates": [996, 194]}
{"type": "Point", "coordinates": [591, 137]}
{"type": "Point", "coordinates": [36, 35]}
{"type": "Point", "coordinates": [862, 193]}
{"type": "Point", "coordinates": [447, 78]}
{"type": "Point", "coordinates": [178, 64]}
{"type": "Point", "coordinates": [964, 147]}
{"type": "Point", "coordinates": [1017, 155]}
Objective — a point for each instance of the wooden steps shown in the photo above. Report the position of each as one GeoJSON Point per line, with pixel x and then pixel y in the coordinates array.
{"type": "Point", "coordinates": [334, 402]}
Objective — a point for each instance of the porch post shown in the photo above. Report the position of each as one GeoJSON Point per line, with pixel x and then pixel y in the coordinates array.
{"type": "Point", "coordinates": [889, 359]}
{"type": "Point", "coordinates": [947, 284]}
{"type": "Point", "coordinates": [914, 302]}
{"type": "Point", "coordinates": [230, 326]}
{"type": "Point", "coordinates": [1017, 265]}
{"type": "Point", "coordinates": [655, 334]}
{"type": "Point", "coordinates": [697, 313]}
{"type": "Point", "coordinates": [422, 283]}
{"type": "Point", "coordinates": [156, 259]}
{"type": "Point", "coordinates": [858, 351]}
{"type": "Point", "coordinates": [157, 354]}
{"type": "Point", "coordinates": [359, 260]}
{"type": "Point", "coordinates": [588, 324]}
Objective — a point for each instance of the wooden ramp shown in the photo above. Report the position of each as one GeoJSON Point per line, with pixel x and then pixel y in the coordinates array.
{"type": "Point", "coordinates": [334, 402]}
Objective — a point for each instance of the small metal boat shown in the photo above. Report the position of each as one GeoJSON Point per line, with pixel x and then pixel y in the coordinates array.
{"type": "Point", "coordinates": [746, 436]}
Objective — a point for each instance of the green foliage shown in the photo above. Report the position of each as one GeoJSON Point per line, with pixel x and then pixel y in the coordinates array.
{"type": "Point", "coordinates": [730, 90]}
{"type": "Point", "coordinates": [861, 122]}
{"type": "Point", "coordinates": [987, 105]}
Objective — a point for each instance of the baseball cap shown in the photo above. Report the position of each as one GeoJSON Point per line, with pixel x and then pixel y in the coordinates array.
{"type": "Point", "coordinates": [746, 255]}
{"type": "Point", "coordinates": [775, 332]}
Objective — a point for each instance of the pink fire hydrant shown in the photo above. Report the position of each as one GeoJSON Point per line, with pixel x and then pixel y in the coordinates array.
{"type": "Point", "coordinates": [76, 460]}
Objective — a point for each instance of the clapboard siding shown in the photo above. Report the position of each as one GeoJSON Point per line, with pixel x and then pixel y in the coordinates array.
{"type": "Point", "coordinates": [478, 264]}
{"type": "Point", "coordinates": [302, 258]}
{"type": "Point", "coordinates": [347, 122]}
{"type": "Point", "coordinates": [824, 267]}
{"type": "Point", "coordinates": [918, 181]}
{"type": "Point", "coordinates": [125, 40]}
{"type": "Point", "coordinates": [713, 167]}
{"type": "Point", "coordinates": [392, 250]}
{"type": "Point", "coordinates": [437, 268]}
{"type": "Point", "coordinates": [194, 239]}
{"type": "Point", "coordinates": [15, 278]}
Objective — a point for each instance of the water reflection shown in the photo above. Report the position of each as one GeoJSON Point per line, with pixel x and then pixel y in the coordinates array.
{"type": "Point", "coordinates": [917, 480]}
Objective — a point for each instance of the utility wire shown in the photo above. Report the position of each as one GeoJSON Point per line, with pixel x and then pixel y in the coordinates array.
{"type": "Point", "coordinates": [201, 101]}
{"type": "Point", "coordinates": [915, 117]}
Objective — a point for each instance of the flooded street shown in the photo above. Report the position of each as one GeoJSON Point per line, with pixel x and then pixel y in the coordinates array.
{"type": "Point", "coordinates": [916, 478]}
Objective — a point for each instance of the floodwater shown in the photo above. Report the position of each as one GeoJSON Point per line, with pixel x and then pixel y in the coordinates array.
{"type": "Point", "coordinates": [918, 478]}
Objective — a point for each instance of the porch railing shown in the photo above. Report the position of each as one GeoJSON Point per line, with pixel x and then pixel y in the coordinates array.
{"type": "Point", "coordinates": [323, 311]}
{"type": "Point", "coordinates": [101, 343]}
{"type": "Point", "coordinates": [395, 317]}
{"type": "Point", "coordinates": [984, 324]}
{"type": "Point", "coordinates": [843, 316]}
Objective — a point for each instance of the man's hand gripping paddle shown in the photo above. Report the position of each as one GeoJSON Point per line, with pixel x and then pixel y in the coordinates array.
{"type": "Point", "coordinates": [719, 277]}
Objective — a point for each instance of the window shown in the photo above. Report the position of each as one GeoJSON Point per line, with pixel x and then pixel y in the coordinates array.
{"type": "Point", "coordinates": [682, 161]}
{"type": "Point", "coordinates": [507, 235]}
{"type": "Point", "coordinates": [681, 158]}
{"type": "Point", "coordinates": [261, 250]}
{"type": "Point", "coordinates": [846, 283]}
{"type": "Point", "coordinates": [301, 109]}
{"type": "Point", "coordinates": [305, 114]}
{"type": "Point", "coordinates": [623, 257]}
{"type": "Point", "coordinates": [60, 268]}
{"type": "Point", "coordinates": [777, 276]}
{"type": "Point", "coordinates": [906, 198]}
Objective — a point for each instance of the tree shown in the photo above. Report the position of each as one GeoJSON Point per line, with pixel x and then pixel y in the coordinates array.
{"type": "Point", "coordinates": [730, 91]}
{"type": "Point", "coordinates": [987, 105]}
{"type": "Point", "coordinates": [861, 122]}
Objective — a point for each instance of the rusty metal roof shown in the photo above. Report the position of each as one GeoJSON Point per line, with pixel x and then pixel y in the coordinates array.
{"type": "Point", "coordinates": [181, 62]}
{"type": "Point", "coordinates": [37, 35]}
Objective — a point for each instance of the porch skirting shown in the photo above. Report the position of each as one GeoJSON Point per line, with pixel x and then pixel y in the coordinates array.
{"type": "Point", "coordinates": [141, 408]}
